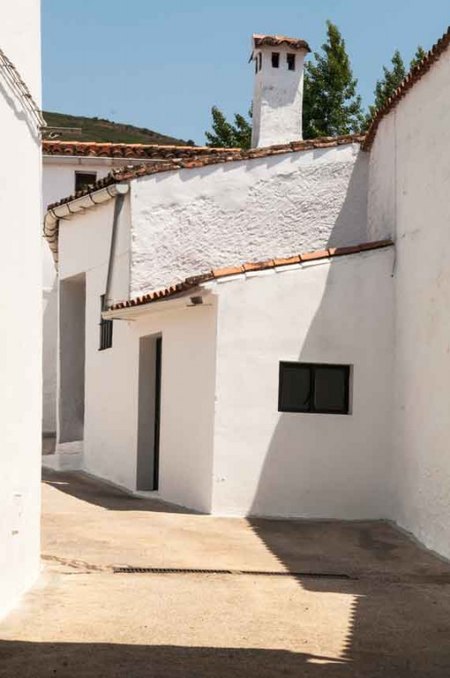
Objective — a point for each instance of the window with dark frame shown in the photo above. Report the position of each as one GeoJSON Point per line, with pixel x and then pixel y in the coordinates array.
{"type": "Point", "coordinates": [314, 388]}
{"type": "Point", "coordinates": [260, 60]}
{"type": "Point", "coordinates": [290, 62]}
{"type": "Point", "coordinates": [275, 59]}
{"type": "Point", "coordinates": [106, 328]}
{"type": "Point", "coordinates": [84, 179]}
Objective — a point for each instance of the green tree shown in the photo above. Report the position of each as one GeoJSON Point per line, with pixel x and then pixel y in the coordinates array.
{"type": "Point", "coordinates": [225, 134]}
{"type": "Point", "coordinates": [387, 85]}
{"type": "Point", "coordinates": [391, 79]}
{"type": "Point", "coordinates": [418, 57]}
{"type": "Point", "coordinates": [331, 105]}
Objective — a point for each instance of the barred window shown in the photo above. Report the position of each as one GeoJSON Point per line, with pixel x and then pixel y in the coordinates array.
{"type": "Point", "coordinates": [106, 328]}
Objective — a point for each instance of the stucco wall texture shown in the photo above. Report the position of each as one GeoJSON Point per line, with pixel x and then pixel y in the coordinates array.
{"type": "Point", "coordinates": [417, 211]}
{"type": "Point", "coordinates": [20, 328]}
{"type": "Point", "coordinates": [187, 222]}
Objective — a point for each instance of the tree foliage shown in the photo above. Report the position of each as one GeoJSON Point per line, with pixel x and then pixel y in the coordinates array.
{"type": "Point", "coordinates": [331, 105]}
{"type": "Point", "coordinates": [229, 135]}
{"type": "Point", "coordinates": [392, 77]}
{"type": "Point", "coordinates": [418, 56]}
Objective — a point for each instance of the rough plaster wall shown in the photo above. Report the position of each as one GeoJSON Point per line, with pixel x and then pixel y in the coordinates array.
{"type": "Point", "coordinates": [423, 299]}
{"type": "Point", "coordinates": [277, 100]}
{"type": "Point", "coordinates": [294, 464]}
{"type": "Point", "coordinates": [186, 222]}
{"type": "Point", "coordinates": [20, 310]}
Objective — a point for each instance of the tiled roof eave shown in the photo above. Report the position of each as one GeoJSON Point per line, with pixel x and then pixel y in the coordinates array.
{"type": "Point", "coordinates": [195, 281]}
{"type": "Point", "coordinates": [220, 157]}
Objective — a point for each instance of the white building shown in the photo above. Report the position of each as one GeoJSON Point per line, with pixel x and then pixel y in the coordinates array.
{"type": "Point", "coordinates": [20, 303]}
{"type": "Point", "coordinates": [68, 167]}
{"type": "Point", "coordinates": [309, 381]}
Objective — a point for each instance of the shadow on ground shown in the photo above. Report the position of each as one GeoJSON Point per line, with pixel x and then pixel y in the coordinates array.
{"type": "Point", "coordinates": [95, 660]}
{"type": "Point", "coordinates": [91, 490]}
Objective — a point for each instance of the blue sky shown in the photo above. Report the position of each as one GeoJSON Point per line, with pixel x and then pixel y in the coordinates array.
{"type": "Point", "coordinates": [163, 64]}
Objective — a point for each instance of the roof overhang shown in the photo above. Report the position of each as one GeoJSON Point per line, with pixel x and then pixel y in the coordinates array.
{"type": "Point", "coordinates": [77, 206]}
{"type": "Point", "coordinates": [174, 303]}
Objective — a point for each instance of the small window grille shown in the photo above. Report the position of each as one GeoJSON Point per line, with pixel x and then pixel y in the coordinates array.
{"type": "Point", "coordinates": [275, 59]}
{"type": "Point", "coordinates": [106, 328]}
{"type": "Point", "coordinates": [84, 180]}
{"type": "Point", "coordinates": [310, 387]}
{"type": "Point", "coordinates": [291, 62]}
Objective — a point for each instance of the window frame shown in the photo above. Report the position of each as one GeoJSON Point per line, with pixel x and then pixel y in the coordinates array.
{"type": "Point", "coordinates": [312, 409]}
{"type": "Point", "coordinates": [275, 59]}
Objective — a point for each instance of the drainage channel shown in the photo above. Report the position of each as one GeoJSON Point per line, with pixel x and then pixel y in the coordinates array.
{"type": "Point", "coordinates": [248, 573]}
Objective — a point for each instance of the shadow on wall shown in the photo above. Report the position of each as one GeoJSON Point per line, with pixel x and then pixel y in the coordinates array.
{"type": "Point", "coordinates": [354, 207]}
{"type": "Point", "coordinates": [329, 465]}
{"type": "Point", "coordinates": [333, 466]}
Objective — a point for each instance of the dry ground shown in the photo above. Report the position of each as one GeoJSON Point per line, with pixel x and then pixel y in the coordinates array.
{"type": "Point", "coordinates": [389, 617]}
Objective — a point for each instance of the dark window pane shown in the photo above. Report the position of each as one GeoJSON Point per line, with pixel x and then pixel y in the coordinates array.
{"type": "Point", "coordinates": [275, 59]}
{"type": "Point", "coordinates": [84, 179]}
{"type": "Point", "coordinates": [291, 62]}
{"type": "Point", "coordinates": [331, 389]}
{"type": "Point", "coordinates": [295, 388]}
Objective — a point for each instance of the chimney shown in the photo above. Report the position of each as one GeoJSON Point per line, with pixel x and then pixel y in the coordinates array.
{"type": "Point", "coordinates": [278, 93]}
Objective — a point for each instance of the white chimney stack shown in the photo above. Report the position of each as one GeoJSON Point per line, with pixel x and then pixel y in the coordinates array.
{"type": "Point", "coordinates": [278, 93]}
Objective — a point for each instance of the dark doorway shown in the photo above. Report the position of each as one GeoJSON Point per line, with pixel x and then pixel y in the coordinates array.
{"type": "Point", "coordinates": [72, 311]}
{"type": "Point", "coordinates": [150, 354]}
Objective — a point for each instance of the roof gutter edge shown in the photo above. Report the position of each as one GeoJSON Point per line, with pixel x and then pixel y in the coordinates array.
{"type": "Point", "coordinates": [76, 206]}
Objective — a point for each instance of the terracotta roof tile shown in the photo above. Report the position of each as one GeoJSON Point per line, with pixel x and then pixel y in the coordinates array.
{"type": "Point", "coordinates": [93, 149]}
{"type": "Point", "coordinates": [258, 265]}
{"type": "Point", "coordinates": [210, 156]}
{"type": "Point", "coordinates": [218, 273]}
{"type": "Point", "coordinates": [287, 261]}
{"type": "Point", "coordinates": [409, 81]}
{"type": "Point", "coordinates": [318, 254]}
{"type": "Point", "coordinates": [278, 40]}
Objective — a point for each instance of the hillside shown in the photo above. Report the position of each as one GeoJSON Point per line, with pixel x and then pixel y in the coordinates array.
{"type": "Point", "coordinates": [99, 129]}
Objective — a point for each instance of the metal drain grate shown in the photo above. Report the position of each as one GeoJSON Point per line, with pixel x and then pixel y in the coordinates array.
{"type": "Point", "coordinates": [251, 573]}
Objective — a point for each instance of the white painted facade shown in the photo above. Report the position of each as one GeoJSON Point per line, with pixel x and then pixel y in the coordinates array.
{"type": "Point", "coordinates": [408, 199]}
{"type": "Point", "coordinates": [20, 307]}
{"type": "Point", "coordinates": [277, 96]}
{"type": "Point", "coordinates": [224, 446]}
{"type": "Point", "coordinates": [299, 464]}
{"type": "Point", "coordinates": [185, 222]}
{"type": "Point", "coordinates": [189, 221]}
{"type": "Point", "coordinates": [58, 180]}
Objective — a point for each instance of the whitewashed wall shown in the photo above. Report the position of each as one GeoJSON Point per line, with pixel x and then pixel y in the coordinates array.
{"type": "Point", "coordinates": [58, 181]}
{"type": "Point", "coordinates": [421, 213]}
{"type": "Point", "coordinates": [20, 310]}
{"type": "Point", "coordinates": [186, 222]}
{"type": "Point", "coordinates": [308, 465]}
{"type": "Point", "coordinates": [277, 98]}
{"type": "Point", "coordinates": [112, 376]}
{"type": "Point", "coordinates": [187, 404]}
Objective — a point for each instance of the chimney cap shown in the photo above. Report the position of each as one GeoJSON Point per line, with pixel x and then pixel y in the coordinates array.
{"type": "Point", "coordinates": [278, 40]}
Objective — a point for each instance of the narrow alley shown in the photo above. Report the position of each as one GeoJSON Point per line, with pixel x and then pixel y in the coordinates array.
{"type": "Point", "coordinates": [339, 599]}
